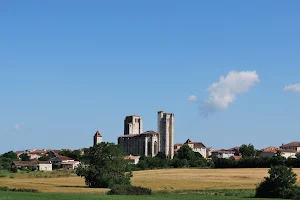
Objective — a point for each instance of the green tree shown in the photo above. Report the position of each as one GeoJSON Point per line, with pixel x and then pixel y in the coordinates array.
{"type": "Point", "coordinates": [76, 154]}
{"type": "Point", "coordinates": [104, 166]}
{"type": "Point", "coordinates": [6, 159]}
{"type": "Point", "coordinates": [44, 158]}
{"type": "Point", "coordinates": [12, 155]}
{"type": "Point", "coordinates": [280, 183]}
{"type": "Point", "coordinates": [161, 155]}
{"type": "Point", "coordinates": [24, 157]}
{"type": "Point", "coordinates": [247, 150]}
{"type": "Point", "coordinates": [185, 152]}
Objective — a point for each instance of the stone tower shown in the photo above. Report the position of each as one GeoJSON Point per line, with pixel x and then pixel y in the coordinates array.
{"type": "Point", "coordinates": [165, 129]}
{"type": "Point", "coordinates": [97, 138]}
{"type": "Point", "coordinates": [133, 125]}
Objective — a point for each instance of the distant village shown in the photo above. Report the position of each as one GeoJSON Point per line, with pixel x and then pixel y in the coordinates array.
{"type": "Point", "coordinates": [135, 143]}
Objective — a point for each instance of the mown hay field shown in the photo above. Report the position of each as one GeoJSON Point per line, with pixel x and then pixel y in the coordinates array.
{"type": "Point", "coordinates": [158, 180]}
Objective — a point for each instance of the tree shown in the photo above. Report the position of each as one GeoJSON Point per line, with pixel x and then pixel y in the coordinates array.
{"type": "Point", "coordinates": [161, 155]}
{"type": "Point", "coordinates": [247, 150]}
{"type": "Point", "coordinates": [44, 158]}
{"type": "Point", "coordinates": [6, 159]}
{"type": "Point", "coordinates": [24, 157]}
{"type": "Point", "coordinates": [104, 166]}
{"type": "Point", "coordinates": [12, 155]}
{"type": "Point", "coordinates": [280, 183]}
{"type": "Point", "coordinates": [76, 154]}
{"type": "Point", "coordinates": [185, 152]}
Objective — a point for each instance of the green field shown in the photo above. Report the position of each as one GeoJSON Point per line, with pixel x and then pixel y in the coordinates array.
{"type": "Point", "coordinates": [49, 196]}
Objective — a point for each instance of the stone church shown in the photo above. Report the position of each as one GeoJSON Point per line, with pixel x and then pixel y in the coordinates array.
{"type": "Point", "coordinates": [149, 143]}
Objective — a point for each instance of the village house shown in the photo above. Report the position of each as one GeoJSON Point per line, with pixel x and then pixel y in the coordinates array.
{"type": "Point", "coordinates": [69, 164]}
{"type": "Point", "coordinates": [65, 162]}
{"type": "Point", "coordinates": [40, 165]}
{"type": "Point", "coordinates": [59, 159]}
{"type": "Point", "coordinates": [223, 153]}
{"type": "Point", "coordinates": [196, 146]}
{"type": "Point", "coordinates": [291, 146]}
{"type": "Point", "coordinates": [273, 151]}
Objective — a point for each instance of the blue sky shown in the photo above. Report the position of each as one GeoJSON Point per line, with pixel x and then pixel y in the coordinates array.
{"type": "Point", "coordinates": [68, 68]}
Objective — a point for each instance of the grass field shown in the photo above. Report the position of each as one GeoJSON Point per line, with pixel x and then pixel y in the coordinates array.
{"type": "Point", "coordinates": [169, 180]}
{"type": "Point", "coordinates": [48, 196]}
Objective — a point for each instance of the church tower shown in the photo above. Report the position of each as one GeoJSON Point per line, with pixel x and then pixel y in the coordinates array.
{"type": "Point", "coordinates": [165, 129]}
{"type": "Point", "coordinates": [97, 138]}
{"type": "Point", "coordinates": [133, 125]}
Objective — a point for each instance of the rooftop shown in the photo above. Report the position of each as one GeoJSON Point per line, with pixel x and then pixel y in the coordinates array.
{"type": "Point", "coordinates": [291, 144]}
{"type": "Point", "coordinates": [97, 134]}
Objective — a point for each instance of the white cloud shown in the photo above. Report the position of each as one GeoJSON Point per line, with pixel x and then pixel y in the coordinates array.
{"type": "Point", "coordinates": [292, 88]}
{"type": "Point", "coordinates": [224, 92]}
{"type": "Point", "coordinates": [192, 98]}
{"type": "Point", "coordinates": [18, 126]}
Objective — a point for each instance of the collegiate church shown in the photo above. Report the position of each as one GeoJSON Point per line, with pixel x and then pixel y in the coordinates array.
{"type": "Point", "coordinates": [149, 143]}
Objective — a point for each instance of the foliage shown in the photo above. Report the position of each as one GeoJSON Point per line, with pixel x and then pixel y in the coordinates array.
{"type": "Point", "coordinates": [245, 193]}
{"type": "Point", "coordinates": [251, 162]}
{"type": "Point", "coordinates": [17, 189]}
{"type": "Point", "coordinates": [247, 150]}
{"type": "Point", "coordinates": [129, 190]}
{"type": "Point", "coordinates": [14, 169]}
{"type": "Point", "coordinates": [24, 157]}
{"type": "Point", "coordinates": [12, 155]}
{"type": "Point", "coordinates": [76, 154]}
{"type": "Point", "coordinates": [104, 166]}
{"type": "Point", "coordinates": [185, 152]}
{"type": "Point", "coordinates": [31, 168]}
{"type": "Point", "coordinates": [161, 155]}
{"type": "Point", "coordinates": [280, 183]}
{"type": "Point", "coordinates": [6, 159]}
{"type": "Point", "coordinates": [185, 157]}
{"type": "Point", "coordinates": [44, 158]}
{"type": "Point", "coordinates": [56, 166]}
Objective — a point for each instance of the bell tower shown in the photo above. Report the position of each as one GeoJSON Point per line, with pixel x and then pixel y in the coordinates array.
{"type": "Point", "coordinates": [97, 138]}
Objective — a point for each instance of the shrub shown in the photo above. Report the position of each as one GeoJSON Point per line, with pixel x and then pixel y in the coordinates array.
{"type": "Point", "coordinates": [280, 184]}
{"type": "Point", "coordinates": [4, 188]}
{"type": "Point", "coordinates": [14, 169]}
{"type": "Point", "coordinates": [129, 190]}
{"type": "Point", "coordinates": [17, 189]}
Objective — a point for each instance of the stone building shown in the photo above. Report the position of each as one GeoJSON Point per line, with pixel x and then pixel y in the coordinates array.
{"type": "Point", "coordinates": [97, 138]}
{"type": "Point", "coordinates": [149, 143]}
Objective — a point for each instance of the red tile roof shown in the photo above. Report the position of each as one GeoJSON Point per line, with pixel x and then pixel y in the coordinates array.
{"type": "Point", "coordinates": [97, 134]}
{"type": "Point", "coordinates": [62, 158]}
{"type": "Point", "coordinates": [196, 144]}
{"type": "Point", "coordinates": [291, 144]}
{"type": "Point", "coordinates": [25, 163]}
{"type": "Point", "coordinates": [38, 151]}
{"type": "Point", "coordinates": [270, 149]}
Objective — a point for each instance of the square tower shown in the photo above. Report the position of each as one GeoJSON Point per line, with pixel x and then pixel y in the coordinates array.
{"type": "Point", "coordinates": [165, 129]}
{"type": "Point", "coordinates": [133, 125]}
